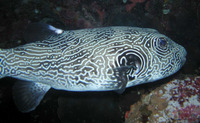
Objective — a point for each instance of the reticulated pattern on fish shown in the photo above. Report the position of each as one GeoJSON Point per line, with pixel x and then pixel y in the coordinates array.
{"type": "Point", "coordinates": [82, 60]}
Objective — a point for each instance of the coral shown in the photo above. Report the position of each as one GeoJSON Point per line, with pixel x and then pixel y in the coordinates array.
{"type": "Point", "coordinates": [185, 89]}
{"type": "Point", "coordinates": [178, 101]}
{"type": "Point", "coordinates": [80, 14]}
{"type": "Point", "coordinates": [183, 97]}
{"type": "Point", "coordinates": [99, 10]}
{"type": "Point", "coordinates": [190, 113]}
{"type": "Point", "coordinates": [133, 4]}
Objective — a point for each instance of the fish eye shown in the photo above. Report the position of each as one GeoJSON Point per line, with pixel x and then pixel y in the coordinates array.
{"type": "Point", "coordinates": [162, 42]}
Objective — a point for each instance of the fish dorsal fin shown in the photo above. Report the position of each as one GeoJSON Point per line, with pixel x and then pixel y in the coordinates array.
{"type": "Point", "coordinates": [27, 95]}
{"type": "Point", "coordinates": [40, 31]}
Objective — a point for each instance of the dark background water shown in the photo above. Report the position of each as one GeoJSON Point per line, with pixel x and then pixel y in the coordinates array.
{"type": "Point", "coordinates": [178, 19]}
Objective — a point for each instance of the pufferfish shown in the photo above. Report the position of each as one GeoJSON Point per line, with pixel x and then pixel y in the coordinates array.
{"type": "Point", "coordinates": [97, 59]}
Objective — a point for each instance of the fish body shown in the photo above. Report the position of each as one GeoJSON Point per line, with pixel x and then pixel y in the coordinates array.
{"type": "Point", "coordinates": [99, 59]}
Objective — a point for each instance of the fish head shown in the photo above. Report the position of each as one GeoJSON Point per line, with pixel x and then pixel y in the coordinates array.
{"type": "Point", "coordinates": [153, 57]}
{"type": "Point", "coordinates": [167, 56]}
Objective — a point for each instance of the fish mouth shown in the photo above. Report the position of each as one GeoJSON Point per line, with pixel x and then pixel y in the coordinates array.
{"type": "Point", "coordinates": [183, 60]}
{"type": "Point", "coordinates": [184, 57]}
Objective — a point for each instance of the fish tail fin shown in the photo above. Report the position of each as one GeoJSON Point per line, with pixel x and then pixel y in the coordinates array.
{"type": "Point", "coordinates": [2, 63]}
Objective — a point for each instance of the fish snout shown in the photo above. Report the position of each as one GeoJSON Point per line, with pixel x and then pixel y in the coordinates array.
{"type": "Point", "coordinates": [184, 54]}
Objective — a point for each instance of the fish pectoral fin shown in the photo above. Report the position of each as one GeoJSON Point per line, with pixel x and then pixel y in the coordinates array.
{"type": "Point", "coordinates": [27, 95]}
{"type": "Point", "coordinates": [121, 75]}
